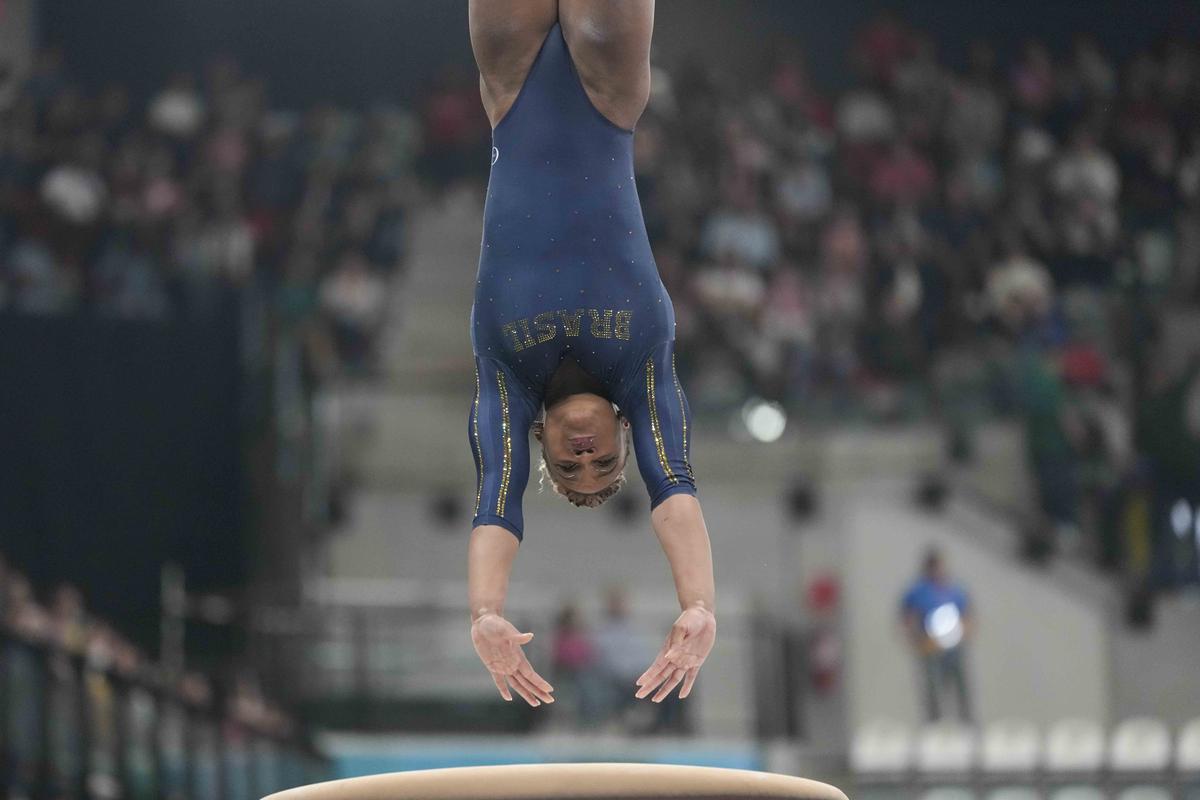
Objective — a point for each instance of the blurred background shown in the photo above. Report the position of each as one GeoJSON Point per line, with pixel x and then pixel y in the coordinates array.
{"type": "Point", "coordinates": [936, 268]}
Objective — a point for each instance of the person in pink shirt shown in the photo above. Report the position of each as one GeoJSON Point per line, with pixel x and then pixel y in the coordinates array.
{"type": "Point", "coordinates": [574, 663]}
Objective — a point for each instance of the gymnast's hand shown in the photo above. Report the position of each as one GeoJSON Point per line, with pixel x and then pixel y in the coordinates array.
{"type": "Point", "coordinates": [498, 644]}
{"type": "Point", "coordinates": [679, 660]}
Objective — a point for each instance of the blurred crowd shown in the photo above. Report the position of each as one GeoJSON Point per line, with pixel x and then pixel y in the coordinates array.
{"type": "Point", "coordinates": [833, 241]}
{"type": "Point", "coordinates": [1018, 234]}
{"type": "Point", "coordinates": [163, 207]}
{"type": "Point", "coordinates": [63, 667]}
{"type": "Point", "coordinates": [594, 669]}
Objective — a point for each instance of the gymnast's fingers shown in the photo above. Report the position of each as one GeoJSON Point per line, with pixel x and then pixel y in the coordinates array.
{"type": "Point", "coordinates": [529, 686]}
{"type": "Point", "coordinates": [656, 669]}
{"type": "Point", "coordinates": [675, 679]}
{"type": "Point", "coordinates": [526, 669]}
{"type": "Point", "coordinates": [517, 687]}
{"type": "Point", "coordinates": [650, 685]}
{"type": "Point", "coordinates": [499, 681]}
{"type": "Point", "coordinates": [659, 664]}
{"type": "Point", "coordinates": [689, 682]}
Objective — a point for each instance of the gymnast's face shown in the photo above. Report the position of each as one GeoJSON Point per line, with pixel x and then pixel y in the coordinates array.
{"type": "Point", "coordinates": [583, 439]}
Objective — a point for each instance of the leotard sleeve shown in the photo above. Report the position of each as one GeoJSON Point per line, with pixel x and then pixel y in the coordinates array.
{"type": "Point", "coordinates": [498, 427]}
{"type": "Point", "coordinates": [657, 410]}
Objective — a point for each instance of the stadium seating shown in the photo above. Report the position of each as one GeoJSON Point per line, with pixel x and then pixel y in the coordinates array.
{"type": "Point", "coordinates": [1010, 747]}
{"type": "Point", "coordinates": [945, 749]}
{"type": "Point", "coordinates": [1009, 760]}
{"type": "Point", "coordinates": [882, 749]}
{"type": "Point", "coordinates": [949, 793]}
{"type": "Point", "coordinates": [1074, 747]}
{"type": "Point", "coordinates": [1077, 792]}
{"type": "Point", "coordinates": [1144, 793]}
{"type": "Point", "coordinates": [1187, 749]}
{"type": "Point", "coordinates": [1187, 760]}
{"type": "Point", "coordinates": [1014, 793]}
{"type": "Point", "coordinates": [1140, 745]}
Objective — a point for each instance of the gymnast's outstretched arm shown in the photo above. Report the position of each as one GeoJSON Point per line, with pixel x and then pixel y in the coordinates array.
{"type": "Point", "coordinates": [498, 430]}
{"type": "Point", "coordinates": [679, 525]}
{"type": "Point", "coordinates": [657, 409]}
{"type": "Point", "coordinates": [497, 641]}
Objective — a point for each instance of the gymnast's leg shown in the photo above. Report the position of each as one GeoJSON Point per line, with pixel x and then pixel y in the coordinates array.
{"type": "Point", "coordinates": [506, 36]}
{"type": "Point", "coordinates": [609, 42]}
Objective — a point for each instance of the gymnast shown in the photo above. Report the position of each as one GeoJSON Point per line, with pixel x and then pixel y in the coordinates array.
{"type": "Point", "coordinates": [572, 330]}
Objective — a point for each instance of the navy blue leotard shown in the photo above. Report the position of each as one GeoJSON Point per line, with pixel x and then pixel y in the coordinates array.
{"type": "Point", "coordinates": [565, 270]}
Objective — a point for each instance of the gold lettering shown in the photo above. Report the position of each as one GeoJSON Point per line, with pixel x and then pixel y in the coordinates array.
{"type": "Point", "coordinates": [524, 323]}
{"type": "Point", "coordinates": [571, 322]}
{"type": "Point", "coordinates": [601, 322]}
{"type": "Point", "coordinates": [511, 329]}
{"type": "Point", "coordinates": [624, 318]}
{"type": "Point", "coordinates": [544, 325]}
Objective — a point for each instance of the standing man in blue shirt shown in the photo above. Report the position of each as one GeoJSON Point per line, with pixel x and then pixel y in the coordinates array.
{"type": "Point", "coordinates": [572, 330]}
{"type": "Point", "coordinates": [937, 619]}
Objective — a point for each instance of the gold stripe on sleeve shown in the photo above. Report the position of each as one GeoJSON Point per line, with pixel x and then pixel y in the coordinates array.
{"type": "Point", "coordinates": [475, 441]}
{"type": "Point", "coordinates": [655, 428]}
{"type": "Point", "coordinates": [682, 417]}
{"type": "Point", "coordinates": [506, 432]}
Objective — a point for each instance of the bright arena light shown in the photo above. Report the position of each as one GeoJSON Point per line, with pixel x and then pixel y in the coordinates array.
{"type": "Point", "coordinates": [944, 625]}
{"type": "Point", "coordinates": [764, 420]}
{"type": "Point", "coordinates": [1181, 518]}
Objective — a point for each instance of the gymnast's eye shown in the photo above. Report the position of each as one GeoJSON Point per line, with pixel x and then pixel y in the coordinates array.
{"type": "Point", "coordinates": [606, 463]}
{"type": "Point", "coordinates": [567, 466]}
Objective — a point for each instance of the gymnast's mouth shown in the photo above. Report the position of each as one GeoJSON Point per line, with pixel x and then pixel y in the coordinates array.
{"type": "Point", "coordinates": [582, 442]}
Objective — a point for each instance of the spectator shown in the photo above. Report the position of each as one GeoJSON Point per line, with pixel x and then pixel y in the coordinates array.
{"type": "Point", "coordinates": [619, 658]}
{"type": "Point", "coordinates": [938, 619]}
{"type": "Point", "coordinates": [574, 666]}
{"type": "Point", "coordinates": [69, 619]}
{"type": "Point", "coordinates": [25, 678]}
{"type": "Point", "coordinates": [129, 281]}
{"type": "Point", "coordinates": [1086, 183]}
{"type": "Point", "coordinates": [881, 47]}
{"type": "Point", "coordinates": [178, 111]}
{"type": "Point", "coordinates": [103, 757]}
{"type": "Point", "coordinates": [455, 127]}
{"type": "Point", "coordinates": [804, 192]}
{"type": "Point", "coordinates": [740, 231]}
{"type": "Point", "coordinates": [1033, 80]}
{"type": "Point", "coordinates": [69, 630]}
{"type": "Point", "coordinates": [1170, 425]}
{"type": "Point", "coordinates": [1020, 292]}
{"type": "Point", "coordinates": [355, 300]}
{"type": "Point", "coordinates": [1051, 433]}
{"type": "Point", "coordinates": [38, 283]}
{"type": "Point", "coordinates": [790, 318]}
{"type": "Point", "coordinates": [75, 190]}
{"type": "Point", "coordinates": [903, 177]}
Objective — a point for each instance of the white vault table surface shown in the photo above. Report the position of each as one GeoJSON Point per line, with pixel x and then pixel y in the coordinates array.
{"type": "Point", "coordinates": [552, 781]}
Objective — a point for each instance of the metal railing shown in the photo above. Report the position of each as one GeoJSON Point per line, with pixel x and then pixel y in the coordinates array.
{"type": "Point", "coordinates": [72, 729]}
{"type": "Point", "coordinates": [402, 659]}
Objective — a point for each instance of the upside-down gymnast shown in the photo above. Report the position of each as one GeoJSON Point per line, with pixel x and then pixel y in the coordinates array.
{"type": "Point", "coordinates": [572, 330]}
